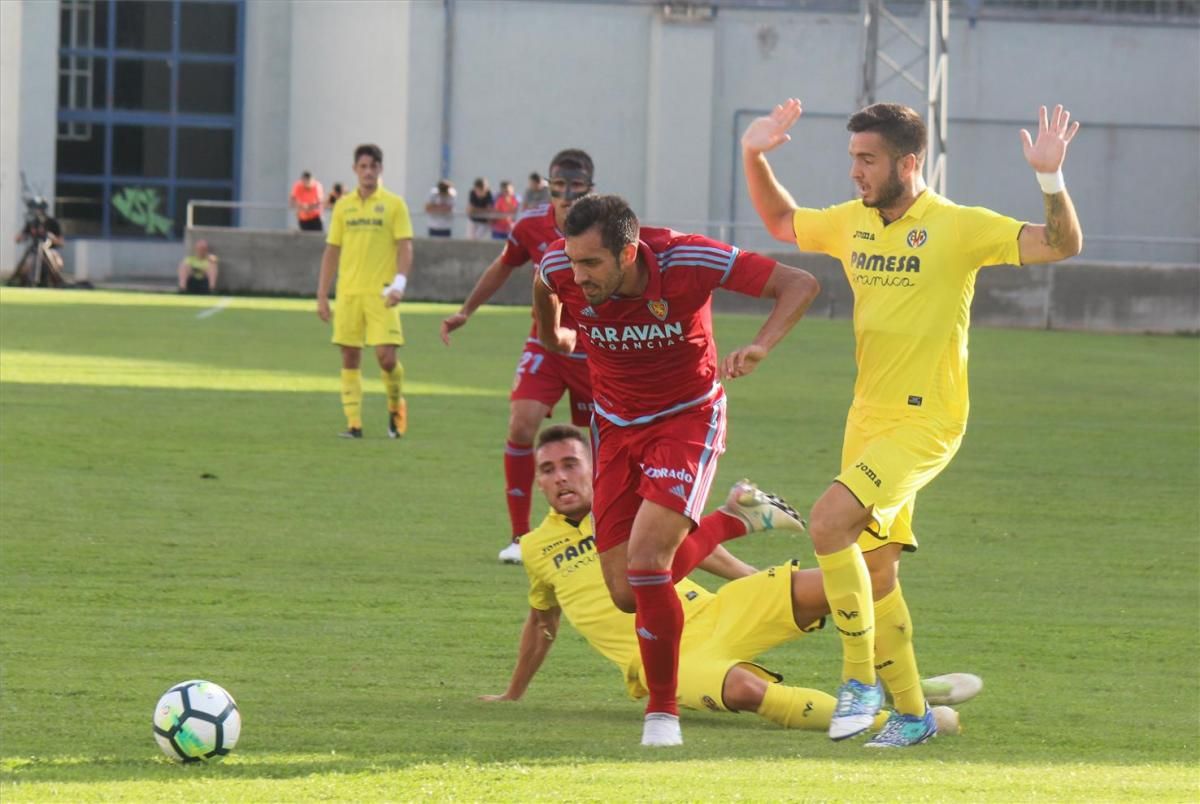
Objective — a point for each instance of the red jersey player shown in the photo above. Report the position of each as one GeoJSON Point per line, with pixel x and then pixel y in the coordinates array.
{"type": "Point", "coordinates": [641, 303]}
{"type": "Point", "coordinates": [542, 376]}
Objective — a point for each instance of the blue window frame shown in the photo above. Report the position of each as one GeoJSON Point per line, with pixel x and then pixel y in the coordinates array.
{"type": "Point", "coordinates": [149, 114]}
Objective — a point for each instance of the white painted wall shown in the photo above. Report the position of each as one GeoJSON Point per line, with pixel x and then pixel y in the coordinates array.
{"type": "Point", "coordinates": [28, 105]}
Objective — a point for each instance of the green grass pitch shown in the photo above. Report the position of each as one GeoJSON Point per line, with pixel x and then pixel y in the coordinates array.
{"type": "Point", "coordinates": [174, 505]}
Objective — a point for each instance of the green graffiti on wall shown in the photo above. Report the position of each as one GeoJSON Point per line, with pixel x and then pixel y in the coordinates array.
{"type": "Point", "coordinates": [139, 206]}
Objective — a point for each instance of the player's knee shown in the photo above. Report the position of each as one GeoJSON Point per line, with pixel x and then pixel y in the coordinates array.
{"type": "Point", "coordinates": [742, 691]}
{"type": "Point", "coordinates": [624, 600]}
{"type": "Point", "coordinates": [522, 427]}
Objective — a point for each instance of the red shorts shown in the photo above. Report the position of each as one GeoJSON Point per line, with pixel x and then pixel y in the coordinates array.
{"type": "Point", "coordinates": [543, 376]}
{"type": "Point", "coordinates": [671, 461]}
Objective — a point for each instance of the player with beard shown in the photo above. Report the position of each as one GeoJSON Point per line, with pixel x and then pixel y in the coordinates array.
{"type": "Point", "coordinates": [542, 376]}
{"type": "Point", "coordinates": [641, 302]}
{"type": "Point", "coordinates": [911, 257]}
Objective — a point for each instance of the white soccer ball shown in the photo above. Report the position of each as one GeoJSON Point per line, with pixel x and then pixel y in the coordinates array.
{"type": "Point", "coordinates": [196, 721]}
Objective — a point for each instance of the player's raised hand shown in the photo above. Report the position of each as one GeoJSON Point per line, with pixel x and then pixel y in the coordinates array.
{"type": "Point", "coordinates": [741, 362]}
{"type": "Point", "coordinates": [1055, 132]}
{"type": "Point", "coordinates": [770, 131]}
{"type": "Point", "coordinates": [451, 323]}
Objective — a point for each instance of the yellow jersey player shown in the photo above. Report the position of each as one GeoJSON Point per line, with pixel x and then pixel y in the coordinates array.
{"type": "Point", "coordinates": [370, 248]}
{"type": "Point", "coordinates": [911, 257]}
{"type": "Point", "coordinates": [722, 633]}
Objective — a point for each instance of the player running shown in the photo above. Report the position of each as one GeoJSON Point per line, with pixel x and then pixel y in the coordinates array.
{"type": "Point", "coordinates": [542, 376]}
{"type": "Point", "coordinates": [641, 304]}
{"type": "Point", "coordinates": [911, 257]}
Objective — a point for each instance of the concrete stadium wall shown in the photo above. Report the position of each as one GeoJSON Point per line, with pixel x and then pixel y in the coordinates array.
{"type": "Point", "coordinates": [1074, 295]}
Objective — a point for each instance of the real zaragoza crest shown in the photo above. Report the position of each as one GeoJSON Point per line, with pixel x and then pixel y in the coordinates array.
{"type": "Point", "coordinates": [658, 308]}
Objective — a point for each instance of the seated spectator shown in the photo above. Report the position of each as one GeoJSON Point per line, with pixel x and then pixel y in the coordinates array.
{"type": "Point", "coordinates": [537, 193]}
{"type": "Point", "coordinates": [505, 209]}
{"type": "Point", "coordinates": [42, 263]}
{"type": "Point", "coordinates": [479, 210]}
{"type": "Point", "coordinates": [440, 209]}
{"type": "Point", "coordinates": [198, 271]}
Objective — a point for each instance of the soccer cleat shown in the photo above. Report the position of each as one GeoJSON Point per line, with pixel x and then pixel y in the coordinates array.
{"type": "Point", "coordinates": [759, 510]}
{"type": "Point", "coordinates": [511, 554]}
{"type": "Point", "coordinates": [661, 729]}
{"type": "Point", "coordinates": [901, 731]}
{"type": "Point", "coordinates": [857, 705]}
{"type": "Point", "coordinates": [353, 432]}
{"type": "Point", "coordinates": [946, 720]}
{"type": "Point", "coordinates": [952, 688]}
{"type": "Point", "coordinates": [398, 421]}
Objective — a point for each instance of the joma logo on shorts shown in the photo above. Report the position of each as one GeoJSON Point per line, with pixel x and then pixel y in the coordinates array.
{"type": "Point", "coordinates": [869, 472]}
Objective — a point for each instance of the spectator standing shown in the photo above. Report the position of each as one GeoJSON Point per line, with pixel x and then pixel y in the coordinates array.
{"type": "Point", "coordinates": [306, 197]}
{"type": "Point", "coordinates": [537, 193]}
{"type": "Point", "coordinates": [337, 192]}
{"type": "Point", "coordinates": [439, 209]}
{"type": "Point", "coordinates": [506, 206]}
{"type": "Point", "coordinates": [479, 210]}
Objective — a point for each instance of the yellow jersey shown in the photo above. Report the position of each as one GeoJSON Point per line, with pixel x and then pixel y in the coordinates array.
{"type": "Point", "coordinates": [564, 570]}
{"type": "Point", "coordinates": [913, 281]}
{"type": "Point", "coordinates": [366, 230]}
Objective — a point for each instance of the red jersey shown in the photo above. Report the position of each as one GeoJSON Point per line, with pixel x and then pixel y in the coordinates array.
{"type": "Point", "coordinates": [531, 235]}
{"type": "Point", "coordinates": [654, 355]}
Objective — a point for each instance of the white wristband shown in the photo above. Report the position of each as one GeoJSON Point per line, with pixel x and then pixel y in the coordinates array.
{"type": "Point", "coordinates": [1051, 182]}
{"type": "Point", "coordinates": [398, 285]}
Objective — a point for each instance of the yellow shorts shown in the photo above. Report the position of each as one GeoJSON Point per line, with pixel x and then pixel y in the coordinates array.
{"type": "Point", "coordinates": [885, 462]}
{"type": "Point", "coordinates": [364, 319]}
{"type": "Point", "coordinates": [748, 617]}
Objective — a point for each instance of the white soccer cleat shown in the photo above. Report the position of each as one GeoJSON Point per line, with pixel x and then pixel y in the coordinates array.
{"type": "Point", "coordinates": [952, 688]}
{"type": "Point", "coordinates": [759, 510]}
{"type": "Point", "coordinates": [946, 720]}
{"type": "Point", "coordinates": [661, 729]}
{"type": "Point", "coordinates": [511, 554]}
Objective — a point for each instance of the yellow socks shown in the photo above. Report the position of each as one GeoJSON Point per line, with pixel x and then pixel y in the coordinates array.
{"type": "Point", "coordinates": [894, 658]}
{"type": "Point", "coordinates": [393, 381]}
{"type": "Point", "coordinates": [800, 708]}
{"type": "Point", "coordinates": [848, 589]}
{"type": "Point", "coordinates": [352, 395]}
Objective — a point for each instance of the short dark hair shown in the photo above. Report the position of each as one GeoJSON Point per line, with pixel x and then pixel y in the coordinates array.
{"type": "Point", "coordinates": [573, 159]}
{"type": "Point", "coordinates": [373, 151]}
{"type": "Point", "coordinates": [900, 126]}
{"type": "Point", "coordinates": [561, 432]}
{"type": "Point", "coordinates": [306, 175]}
{"type": "Point", "coordinates": [617, 221]}
{"type": "Point", "coordinates": [535, 176]}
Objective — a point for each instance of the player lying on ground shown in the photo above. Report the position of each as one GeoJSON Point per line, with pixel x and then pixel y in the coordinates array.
{"type": "Point", "coordinates": [722, 632]}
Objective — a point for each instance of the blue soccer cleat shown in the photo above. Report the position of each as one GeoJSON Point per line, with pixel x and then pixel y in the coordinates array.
{"type": "Point", "coordinates": [901, 731]}
{"type": "Point", "coordinates": [857, 705]}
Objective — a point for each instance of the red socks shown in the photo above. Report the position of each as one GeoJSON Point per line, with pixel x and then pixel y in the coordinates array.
{"type": "Point", "coordinates": [659, 627]}
{"type": "Point", "coordinates": [518, 482]}
{"type": "Point", "coordinates": [713, 529]}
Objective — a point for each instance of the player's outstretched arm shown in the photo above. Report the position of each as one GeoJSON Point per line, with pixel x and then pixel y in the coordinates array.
{"type": "Point", "coordinates": [771, 201]}
{"type": "Point", "coordinates": [1061, 236]}
{"type": "Point", "coordinates": [724, 564]}
{"type": "Point", "coordinates": [537, 637]}
{"type": "Point", "coordinates": [793, 291]}
{"type": "Point", "coordinates": [490, 281]}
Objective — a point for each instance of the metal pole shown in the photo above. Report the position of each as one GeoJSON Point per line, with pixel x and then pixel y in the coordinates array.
{"type": "Point", "coordinates": [447, 84]}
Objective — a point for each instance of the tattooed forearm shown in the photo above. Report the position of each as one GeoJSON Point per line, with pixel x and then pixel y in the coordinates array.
{"type": "Point", "coordinates": [1062, 231]}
